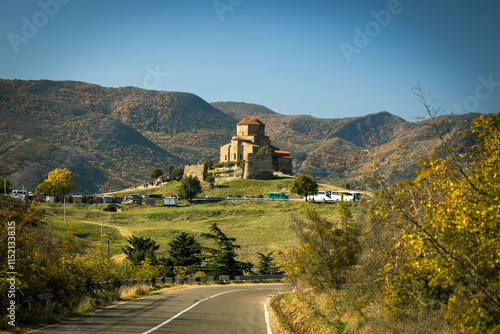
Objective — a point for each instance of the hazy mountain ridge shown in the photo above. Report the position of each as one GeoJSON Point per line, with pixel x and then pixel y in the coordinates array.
{"type": "Point", "coordinates": [112, 137]}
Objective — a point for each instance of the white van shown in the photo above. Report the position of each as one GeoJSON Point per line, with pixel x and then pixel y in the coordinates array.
{"type": "Point", "coordinates": [18, 193]}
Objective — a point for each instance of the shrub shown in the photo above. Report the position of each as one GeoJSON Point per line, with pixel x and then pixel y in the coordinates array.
{"type": "Point", "coordinates": [210, 178]}
{"type": "Point", "coordinates": [177, 173]}
{"type": "Point", "coordinates": [190, 187]}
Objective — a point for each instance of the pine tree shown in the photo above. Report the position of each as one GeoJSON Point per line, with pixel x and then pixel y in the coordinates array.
{"type": "Point", "coordinates": [185, 251]}
{"type": "Point", "coordinates": [222, 259]}
{"type": "Point", "coordinates": [266, 265]}
{"type": "Point", "coordinates": [140, 249]}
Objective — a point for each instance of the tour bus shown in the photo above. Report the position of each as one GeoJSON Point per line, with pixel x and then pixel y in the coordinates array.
{"type": "Point", "coordinates": [345, 196]}
{"type": "Point", "coordinates": [322, 196]}
{"type": "Point", "coordinates": [335, 196]}
{"type": "Point", "coordinates": [278, 196]}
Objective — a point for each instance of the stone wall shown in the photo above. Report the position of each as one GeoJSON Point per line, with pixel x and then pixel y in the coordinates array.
{"type": "Point", "coordinates": [259, 166]}
{"type": "Point", "coordinates": [238, 172]}
{"type": "Point", "coordinates": [284, 165]}
{"type": "Point", "coordinates": [200, 171]}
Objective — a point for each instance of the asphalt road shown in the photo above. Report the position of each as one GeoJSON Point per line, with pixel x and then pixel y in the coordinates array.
{"type": "Point", "coordinates": [230, 309]}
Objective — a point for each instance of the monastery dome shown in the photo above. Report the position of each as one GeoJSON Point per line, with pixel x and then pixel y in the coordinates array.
{"type": "Point", "coordinates": [250, 120]}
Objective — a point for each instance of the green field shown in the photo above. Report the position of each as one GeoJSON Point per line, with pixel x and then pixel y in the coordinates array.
{"type": "Point", "coordinates": [258, 226]}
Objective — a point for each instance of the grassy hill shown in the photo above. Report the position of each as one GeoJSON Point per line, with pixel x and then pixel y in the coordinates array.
{"type": "Point", "coordinates": [259, 226]}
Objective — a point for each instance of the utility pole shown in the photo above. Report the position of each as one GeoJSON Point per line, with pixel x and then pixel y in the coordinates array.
{"type": "Point", "coordinates": [101, 232]}
{"type": "Point", "coordinates": [64, 199]}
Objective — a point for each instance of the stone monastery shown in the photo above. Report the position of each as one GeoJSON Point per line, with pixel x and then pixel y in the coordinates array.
{"type": "Point", "coordinates": [252, 145]}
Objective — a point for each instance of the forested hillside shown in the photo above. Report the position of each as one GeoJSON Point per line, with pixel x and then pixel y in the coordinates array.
{"type": "Point", "coordinates": [47, 125]}
{"type": "Point", "coordinates": [341, 151]}
{"type": "Point", "coordinates": [111, 137]}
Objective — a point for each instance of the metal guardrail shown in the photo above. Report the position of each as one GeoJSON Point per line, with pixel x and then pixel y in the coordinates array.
{"type": "Point", "coordinates": [49, 294]}
{"type": "Point", "coordinates": [203, 200]}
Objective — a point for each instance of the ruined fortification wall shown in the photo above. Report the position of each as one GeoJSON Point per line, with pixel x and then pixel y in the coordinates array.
{"type": "Point", "coordinates": [200, 171]}
{"type": "Point", "coordinates": [284, 165]}
{"type": "Point", "coordinates": [259, 166]}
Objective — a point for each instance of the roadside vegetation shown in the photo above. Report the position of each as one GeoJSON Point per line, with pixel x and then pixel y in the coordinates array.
{"type": "Point", "coordinates": [139, 241]}
{"type": "Point", "coordinates": [421, 257]}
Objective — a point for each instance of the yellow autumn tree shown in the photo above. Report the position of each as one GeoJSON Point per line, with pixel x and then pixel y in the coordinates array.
{"type": "Point", "coordinates": [40, 260]}
{"type": "Point", "coordinates": [326, 252]}
{"type": "Point", "coordinates": [59, 182]}
{"type": "Point", "coordinates": [446, 227]}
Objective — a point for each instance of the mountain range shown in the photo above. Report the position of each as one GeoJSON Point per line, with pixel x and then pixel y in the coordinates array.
{"type": "Point", "coordinates": [110, 138]}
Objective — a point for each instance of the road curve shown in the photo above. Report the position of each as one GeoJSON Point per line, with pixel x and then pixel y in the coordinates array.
{"type": "Point", "coordinates": [209, 309]}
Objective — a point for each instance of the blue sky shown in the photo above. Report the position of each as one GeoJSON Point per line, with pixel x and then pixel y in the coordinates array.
{"type": "Point", "coordinates": [328, 59]}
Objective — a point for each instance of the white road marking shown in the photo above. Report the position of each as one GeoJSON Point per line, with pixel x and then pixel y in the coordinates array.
{"type": "Point", "coordinates": [185, 310]}
{"type": "Point", "coordinates": [268, 325]}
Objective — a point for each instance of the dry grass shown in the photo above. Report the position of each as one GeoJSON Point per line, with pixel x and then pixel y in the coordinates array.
{"type": "Point", "coordinates": [85, 305]}
{"type": "Point", "coordinates": [374, 321]}
{"type": "Point", "coordinates": [141, 290]}
{"type": "Point", "coordinates": [274, 319]}
{"type": "Point", "coordinates": [291, 314]}
{"type": "Point", "coordinates": [296, 316]}
{"type": "Point", "coordinates": [128, 292]}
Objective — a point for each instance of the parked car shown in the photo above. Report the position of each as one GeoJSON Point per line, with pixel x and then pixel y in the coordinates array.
{"type": "Point", "coordinates": [18, 193]}
{"type": "Point", "coordinates": [134, 196]}
{"type": "Point", "coordinates": [136, 199]}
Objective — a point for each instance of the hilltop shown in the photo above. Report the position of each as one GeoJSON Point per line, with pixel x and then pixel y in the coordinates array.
{"type": "Point", "coordinates": [110, 138]}
{"type": "Point", "coordinates": [342, 150]}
